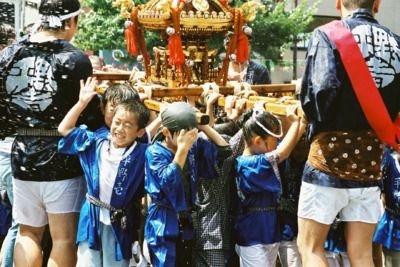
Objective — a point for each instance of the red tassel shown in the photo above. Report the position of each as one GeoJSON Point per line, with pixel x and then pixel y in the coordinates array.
{"type": "Point", "coordinates": [224, 3]}
{"type": "Point", "coordinates": [176, 56]}
{"type": "Point", "coordinates": [242, 48]}
{"type": "Point", "coordinates": [130, 38]}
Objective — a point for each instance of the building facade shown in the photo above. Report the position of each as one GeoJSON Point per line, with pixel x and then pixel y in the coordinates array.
{"type": "Point", "coordinates": [326, 12]}
{"type": "Point", "coordinates": [24, 13]}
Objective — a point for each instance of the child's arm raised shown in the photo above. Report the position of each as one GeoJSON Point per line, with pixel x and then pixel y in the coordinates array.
{"type": "Point", "coordinates": [211, 100]}
{"type": "Point", "coordinates": [213, 135]}
{"type": "Point", "coordinates": [292, 136]}
{"type": "Point", "coordinates": [185, 140]}
{"type": "Point", "coordinates": [88, 90]}
{"type": "Point", "coordinates": [153, 127]}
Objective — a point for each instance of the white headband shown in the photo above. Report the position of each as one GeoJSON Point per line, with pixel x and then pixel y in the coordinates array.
{"type": "Point", "coordinates": [55, 21]}
{"type": "Point", "coordinates": [258, 110]}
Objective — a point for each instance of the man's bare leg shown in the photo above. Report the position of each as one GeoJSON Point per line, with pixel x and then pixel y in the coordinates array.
{"type": "Point", "coordinates": [63, 228]}
{"type": "Point", "coordinates": [311, 239]}
{"type": "Point", "coordinates": [359, 243]}
{"type": "Point", "coordinates": [28, 251]}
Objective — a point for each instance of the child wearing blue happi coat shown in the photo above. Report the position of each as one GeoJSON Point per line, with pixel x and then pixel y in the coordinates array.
{"type": "Point", "coordinates": [114, 171]}
{"type": "Point", "coordinates": [388, 229]}
{"type": "Point", "coordinates": [173, 165]}
{"type": "Point", "coordinates": [259, 186]}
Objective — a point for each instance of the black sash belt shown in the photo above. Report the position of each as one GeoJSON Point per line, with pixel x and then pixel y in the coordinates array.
{"type": "Point", "coordinates": [116, 214]}
{"type": "Point", "coordinates": [259, 209]}
{"type": "Point", "coordinates": [183, 216]}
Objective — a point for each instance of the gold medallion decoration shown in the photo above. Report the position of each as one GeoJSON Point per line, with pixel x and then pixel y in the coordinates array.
{"type": "Point", "coordinates": [201, 5]}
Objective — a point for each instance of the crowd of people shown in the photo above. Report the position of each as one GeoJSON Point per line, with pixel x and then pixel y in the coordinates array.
{"type": "Point", "coordinates": [94, 180]}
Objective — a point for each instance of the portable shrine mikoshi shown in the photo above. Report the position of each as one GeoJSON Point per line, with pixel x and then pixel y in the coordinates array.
{"type": "Point", "coordinates": [187, 25]}
{"type": "Point", "coordinates": [187, 64]}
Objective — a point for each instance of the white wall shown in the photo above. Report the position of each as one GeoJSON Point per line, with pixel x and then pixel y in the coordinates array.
{"type": "Point", "coordinates": [31, 11]}
{"type": "Point", "coordinates": [387, 15]}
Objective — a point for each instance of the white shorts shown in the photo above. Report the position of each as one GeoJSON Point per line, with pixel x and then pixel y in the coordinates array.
{"type": "Point", "coordinates": [34, 200]}
{"type": "Point", "coordinates": [289, 255]}
{"type": "Point", "coordinates": [322, 204]}
{"type": "Point", "coordinates": [258, 255]}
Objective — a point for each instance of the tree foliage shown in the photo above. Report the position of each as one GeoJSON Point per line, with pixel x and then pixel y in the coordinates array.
{"type": "Point", "coordinates": [274, 28]}
{"type": "Point", "coordinates": [277, 28]}
{"type": "Point", "coordinates": [101, 27]}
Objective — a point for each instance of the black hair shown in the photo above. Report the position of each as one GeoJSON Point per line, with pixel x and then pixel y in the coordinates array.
{"type": "Point", "coordinates": [172, 132]}
{"type": "Point", "coordinates": [7, 33]}
{"type": "Point", "coordinates": [58, 7]}
{"type": "Point", "coordinates": [244, 117]}
{"type": "Point", "coordinates": [354, 4]}
{"type": "Point", "coordinates": [252, 128]}
{"type": "Point", "coordinates": [135, 107]}
{"type": "Point", "coordinates": [117, 93]}
{"type": "Point", "coordinates": [227, 127]}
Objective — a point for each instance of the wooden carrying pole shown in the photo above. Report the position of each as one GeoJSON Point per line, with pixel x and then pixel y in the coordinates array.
{"type": "Point", "coordinates": [271, 104]}
{"type": "Point", "coordinates": [112, 76]}
{"type": "Point", "coordinates": [274, 105]}
{"type": "Point", "coordinates": [283, 89]}
{"type": "Point", "coordinates": [262, 89]}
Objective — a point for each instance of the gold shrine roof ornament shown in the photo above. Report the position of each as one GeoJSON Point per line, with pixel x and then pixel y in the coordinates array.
{"type": "Point", "coordinates": [195, 16]}
{"type": "Point", "coordinates": [185, 20]}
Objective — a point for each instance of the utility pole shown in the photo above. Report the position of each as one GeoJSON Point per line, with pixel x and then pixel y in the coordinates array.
{"type": "Point", "coordinates": [295, 51]}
